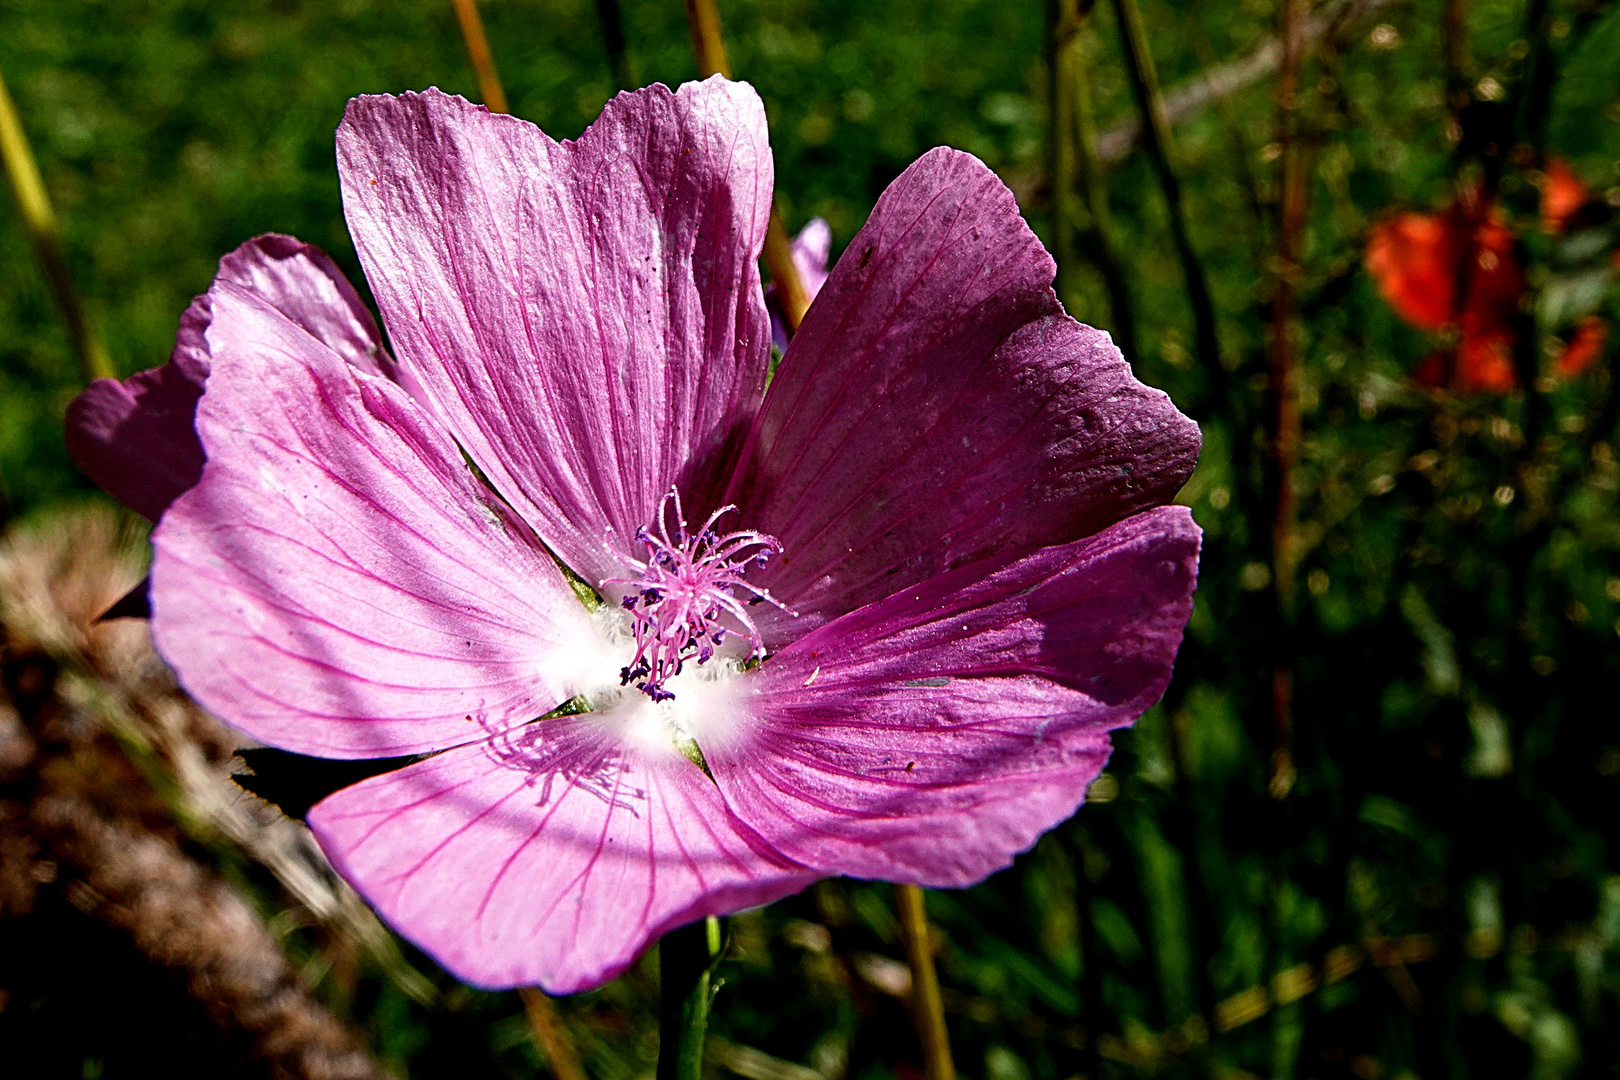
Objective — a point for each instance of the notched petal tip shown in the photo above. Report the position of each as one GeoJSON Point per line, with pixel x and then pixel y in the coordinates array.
{"type": "Point", "coordinates": [716, 91]}
{"type": "Point", "coordinates": [584, 316]}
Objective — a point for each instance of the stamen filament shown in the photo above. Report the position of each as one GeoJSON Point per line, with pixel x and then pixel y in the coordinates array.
{"type": "Point", "coordinates": [683, 588]}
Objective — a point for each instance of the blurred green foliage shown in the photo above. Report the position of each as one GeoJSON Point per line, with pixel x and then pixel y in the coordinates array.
{"type": "Point", "coordinates": [1454, 651]}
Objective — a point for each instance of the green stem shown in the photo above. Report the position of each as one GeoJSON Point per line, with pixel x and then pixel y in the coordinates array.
{"type": "Point", "coordinates": [1540, 74]}
{"type": "Point", "coordinates": [1079, 190]}
{"type": "Point", "coordinates": [927, 1006]}
{"type": "Point", "coordinates": [43, 231]}
{"type": "Point", "coordinates": [1097, 241]}
{"type": "Point", "coordinates": [1286, 420]}
{"type": "Point", "coordinates": [1454, 54]}
{"type": "Point", "coordinates": [1061, 25]}
{"type": "Point", "coordinates": [687, 957]}
{"type": "Point", "coordinates": [612, 20]}
{"type": "Point", "coordinates": [1156, 134]}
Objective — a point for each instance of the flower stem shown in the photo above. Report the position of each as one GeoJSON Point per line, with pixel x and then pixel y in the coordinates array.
{"type": "Point", "coordinates": [927, 1007]}
{"type": "Point", "coordinates": [483, 62]}
{"type": "Point", "coordinates": [687, 957]}
{"type": "Point", "coordinates": [45, 234]}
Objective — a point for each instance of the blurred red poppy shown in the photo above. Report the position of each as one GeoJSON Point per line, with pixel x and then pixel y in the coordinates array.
{"type": "Point", "coordinates": [1563, 193]}
{"type": "Point", "coordinates": [1585, 345]}
{"type": "Point", "coordinates": [1454, 271]}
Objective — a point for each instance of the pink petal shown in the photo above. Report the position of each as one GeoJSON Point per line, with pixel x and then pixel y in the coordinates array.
{"type": "Point", "coordinates": [587, 316]}
{"type": "Point", "coordinates": [549, 857]}
{"type": "Point", "coordinates": [812, 248]}
{"type": "Point", "coordinates": [303, 283]}
{"type": "Point", "coordinates": [338, 583]}
{"type": "Point", "coordinates": [931, 736]}
{"type": "Point", "coordinates": [136, 438]}
{"type": "Point", "coordinates": [938, 407]}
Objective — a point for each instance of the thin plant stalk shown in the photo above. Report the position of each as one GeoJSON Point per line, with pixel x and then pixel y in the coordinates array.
{"type": "Point", "coordinates": [612, 20]}
{"type": "Point", "coordinates": [1079, 197]}
{"type": "Point", "coordinates": [1218, 82]}
{"type": "Point", "coordinates": [1286, 422]}
{"type": "Point", "coordinates": [1098, 241]}
{"type": "Point", "coordinates": [550, 1036]}
{"type": "Point", "coordinates": [1534, 95]}
{"type": "Point", "coordinates": [44, 232]}
{"type": "Point", "coordinates": [1454, 54]}
{"type": "Point", "coordinates": [686, 957]}
{"type": "Point", "coordinates": [483, 63]}
{"type": "Point", "coordinates": [1156, 135]}
{"type": "Point", "coordinates": [927, 1006]}
{"type": "Point", "coordinates": [1283, 461]}
{"type": "Point", "coordinates": [790, 291]}
{"type": "Point", "coordinates": [703, 19]}
{"type": "Point", "coordinates": [1062, 23]}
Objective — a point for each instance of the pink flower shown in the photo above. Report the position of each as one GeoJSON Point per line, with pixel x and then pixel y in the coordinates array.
{"type": "Point", "coordinates": [811, 250]}
{"type": "Point", "coordinates": [877, 621]}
